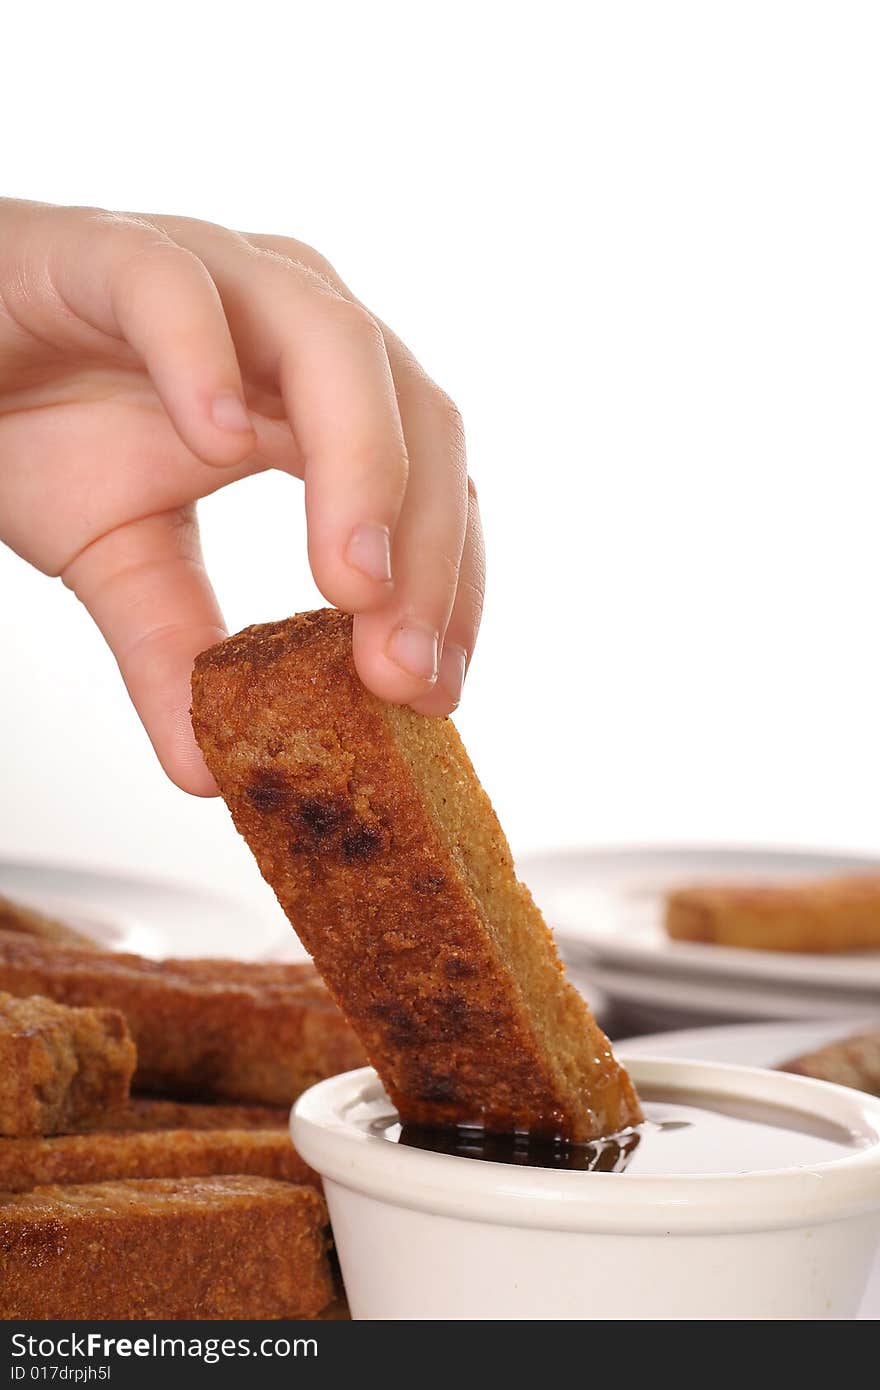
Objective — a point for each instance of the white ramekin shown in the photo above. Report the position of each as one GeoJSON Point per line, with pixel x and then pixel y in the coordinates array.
{"type": "Point", "coordinates": [428, 1235]}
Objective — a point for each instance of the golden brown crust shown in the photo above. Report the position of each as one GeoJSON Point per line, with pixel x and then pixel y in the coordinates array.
{"type": "Point", "coordinates": [16, 917]}
{"type": "Point", "coordinates": [850, 1062]}
{"type": "Point", "coordinates": [148, 1113]}
{"type": "Point", "coordinates": [60, 1067]}
{"type": "Point", "coordinates": [222, 1247]}
{"type": "Point", "coordinates": [298, 976]}
{"type": "Point", "coordinates": [199, 1033]}
{"type": "Point", "coordinates": [817, 915]}
{"type": "Point", "coordinates": [175, 1153]}
{"type": "Point", "coordinates": [383, 850]}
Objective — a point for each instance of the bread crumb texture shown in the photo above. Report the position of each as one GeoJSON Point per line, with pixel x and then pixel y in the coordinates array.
{"type": "Point", "coordinates": [369, 823]}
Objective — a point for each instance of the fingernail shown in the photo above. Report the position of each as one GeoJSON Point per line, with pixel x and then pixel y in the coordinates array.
{"type": "Point", "coordinates": [414, 650]}
{"type": "Point", "coordinates": [453, 664]}
{"type": "Point", "coordinates": [228, 413]}
{"type": "Point", "coordinates": [369, 550]}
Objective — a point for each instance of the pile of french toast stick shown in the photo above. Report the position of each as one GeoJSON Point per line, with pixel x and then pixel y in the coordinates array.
{"type": "Point", "coordinates": [146, 1170]}
{"type": "Point", "coordinates": [384, 851]}
{"type": "Point", "coordinates": [146, 1167]}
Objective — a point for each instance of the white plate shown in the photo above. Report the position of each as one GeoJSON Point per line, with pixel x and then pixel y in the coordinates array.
{"type": "Point", "coordinates": [755, 1045]}
{"type": "Point", "coordinates": [606, 908]}
{"type": "Point", "coordinates": [654, 1001]}
{"type": "Point", "coordinates": [746, 1044]}
{"type": "Point", "coordinates": [149, 916]}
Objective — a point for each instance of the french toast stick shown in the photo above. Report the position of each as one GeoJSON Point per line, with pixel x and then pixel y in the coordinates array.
{"type": "Point", "coordinates": [816, 915]}
{"type": "Point", "coordinates": [176, 1153]}
{"type": "Point", "coordinates": [60, 1067]}
{"type": "Point", "coordinates": [274, 978]}
{"type": "Point", "coordinates": [197, 1036]}
{"type": "Point", "coordinates": [17, 917]}
{"type": "Point", "coordinates": [383, 849]}
{"type": "Point", "coordinates": [851, 1061]}
{"type": "Point", "coordinates": [193, 1248]}
{"type": "Point", "coordinates": [147, 1113]}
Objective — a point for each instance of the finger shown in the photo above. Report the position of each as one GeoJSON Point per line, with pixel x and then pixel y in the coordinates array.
{"type": "Point", "coordinates": [341, 400]}
{"type": "Point", "coordinates": [129, 280]}
{"type": "Point", "coordinates": [464, 621]}
{"type": "Point", "coordinates": [146, 588]}
{"type": "Point", "coordinates": [328, 357]}
{"type": "Point", "coordinates": [397, 646]}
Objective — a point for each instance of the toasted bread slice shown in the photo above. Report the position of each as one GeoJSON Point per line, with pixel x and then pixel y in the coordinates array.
{"type": "Point", "coordinates": [850, 1062]}
{"type": "Point", "coordinates": [147, 1113]}
{"type": "Point", "coordinates": [221, 1247]}
{"type": "Point", "coordinates": [384, 851]}
{"type": "Point", "coordinates": [276, 976]}
{"type": "Point", "coordinates": [170, 1153]}
{"type": "Point", "coordinates": [200, 1032]}
{"type": "Point", "coordinates": [816, 915]}
{"type": "Point", "coordinates": [16, 917]}
{"type": "Point", "coordinates": [60, 1067]}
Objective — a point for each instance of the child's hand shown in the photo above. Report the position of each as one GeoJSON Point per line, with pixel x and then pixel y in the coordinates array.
{"type": "Point", "coordinates": [148, 361]}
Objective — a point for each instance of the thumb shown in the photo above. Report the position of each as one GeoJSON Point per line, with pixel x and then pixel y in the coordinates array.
{"type": "Point", "coordinates": [146, 587]}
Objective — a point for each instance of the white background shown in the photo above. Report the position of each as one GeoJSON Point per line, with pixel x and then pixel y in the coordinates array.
{"type": "Point", "coordinates": [638, 244]}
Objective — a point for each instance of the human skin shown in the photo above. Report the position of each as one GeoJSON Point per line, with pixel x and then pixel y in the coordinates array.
{"type": "Point", "coordinates": [147, 361]}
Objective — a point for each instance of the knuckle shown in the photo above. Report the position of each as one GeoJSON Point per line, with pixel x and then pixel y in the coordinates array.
{"type": "Point", "coordinates": [273, 263]}
{"type": "Point", "coordinates": [177, 225]}
{"type": "Point", "coordinates": [358, 321]}
{"type": "Point", "coordinates": [150, 255]}
{"type": "Point", "coordinates": [450, 411]}
{"type": "Point", "coordinates": [88, 215]}
{"type": "Point", "coordinates": [356, 316]}
{"type": "Point", "coordinates": [435, 401]}
{"type": "Point", "coordinates": [280, 258]}
{"type": "Point", "coordinates": [82, 213]}
{"type": "Point", "coordinates": [311, 258]}
{"type": "Point", "coordinates": [100, 222]}
{"type": "Point", "coordinates": [137, 244]}
{"type": "Point", "coordinates": [297, 254]}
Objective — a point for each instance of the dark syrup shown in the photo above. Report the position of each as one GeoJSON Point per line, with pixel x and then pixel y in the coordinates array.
{"type": "Point", "coordinates": [720, 1135]}
{"type": "Point", "coordinates": [525, 1150]}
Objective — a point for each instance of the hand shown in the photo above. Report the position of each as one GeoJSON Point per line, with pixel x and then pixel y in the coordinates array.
{"type": "Point", "coordinates": [146, 362]}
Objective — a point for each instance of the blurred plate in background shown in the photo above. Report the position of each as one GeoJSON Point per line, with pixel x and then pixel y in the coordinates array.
{"type": "Point", "coordinates": [644, 1002]}
{"type": "Point", "coordinates": [745, 1045]}
{"type": "Point", "coordinates": [150, 917]}
{"type": "Point", "coordinates": [606, 910]}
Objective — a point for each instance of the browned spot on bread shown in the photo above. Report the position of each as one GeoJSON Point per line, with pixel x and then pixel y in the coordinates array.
{"type": "Point", "coordinates": [400, 1024]}
{"type": "Point", "coordinates": [322, 815]}
{"type": "Point", "coordinates": [455, 968]}
{"type": "Point", "coordinates": [429, 883]}
{"type": "Point", "coordinates": [439, 1090]}
{"type": "Point", "coordinates": [268, 790]}
{"type": "Point", "coordinates": [452, 1020]}
{"type": "Point", "coordinates": [361, 843]}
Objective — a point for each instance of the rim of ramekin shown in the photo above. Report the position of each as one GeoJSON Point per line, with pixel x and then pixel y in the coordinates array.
{"type": "Point", "coordinates": [627, 1204]}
